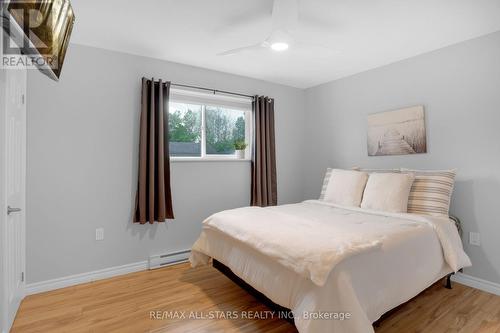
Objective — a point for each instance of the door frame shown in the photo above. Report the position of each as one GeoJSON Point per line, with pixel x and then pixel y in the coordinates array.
{"type": "Point", "coordinates": [5, 320]}
{"type": "Point", "coordinates": [3, 201]}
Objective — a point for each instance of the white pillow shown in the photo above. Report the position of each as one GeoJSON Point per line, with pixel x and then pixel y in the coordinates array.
{"type": "Point", "coordinates": [387, 192]}
{"type": "Point", "coordinates": [376, 170]}
{"type": "Point", "coordinates": [326, 180]}
{"type": "Point", "coordinates": [345, 187]}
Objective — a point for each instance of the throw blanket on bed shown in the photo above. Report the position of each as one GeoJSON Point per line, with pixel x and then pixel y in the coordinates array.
{"type": "Point", "coordinates": [311, 240]}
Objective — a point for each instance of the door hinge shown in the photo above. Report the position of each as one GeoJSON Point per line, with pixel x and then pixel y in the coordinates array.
{"type": "Point", "coordinates": [22, 276]}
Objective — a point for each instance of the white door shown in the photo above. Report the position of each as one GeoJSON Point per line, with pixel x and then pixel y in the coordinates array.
{"type": "Point", "coordinates": [14, 179]}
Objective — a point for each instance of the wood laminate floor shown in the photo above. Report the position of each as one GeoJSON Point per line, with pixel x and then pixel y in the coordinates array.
{"type": "Point", "coordinates": [130, 303]}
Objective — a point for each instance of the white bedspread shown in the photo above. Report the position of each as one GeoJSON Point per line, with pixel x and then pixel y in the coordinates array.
{"type": "Point", "coordinates": [311, 239]}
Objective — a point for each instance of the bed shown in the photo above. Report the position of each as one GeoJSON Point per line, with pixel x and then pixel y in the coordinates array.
{"type": "Point", "coordinates": [338, 269]}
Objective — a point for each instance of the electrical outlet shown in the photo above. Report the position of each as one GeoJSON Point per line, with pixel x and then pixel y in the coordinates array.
{"type": "Point", "coordinates": [474, 238]}
{"type": "Point", "coordinates": [99, 234]}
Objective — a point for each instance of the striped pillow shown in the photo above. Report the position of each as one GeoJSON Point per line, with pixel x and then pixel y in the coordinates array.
{"type": "Point", "coordinates": [326, 180]}
{"type": "Point", "coordinates": [431, 192]}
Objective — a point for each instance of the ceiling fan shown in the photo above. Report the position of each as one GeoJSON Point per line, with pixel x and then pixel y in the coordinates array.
{"type": "Point", "coordinates": [285, 16]}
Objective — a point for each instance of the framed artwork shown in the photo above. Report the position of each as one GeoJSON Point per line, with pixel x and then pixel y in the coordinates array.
{"type": "Point", "coordinates": [398, 132]}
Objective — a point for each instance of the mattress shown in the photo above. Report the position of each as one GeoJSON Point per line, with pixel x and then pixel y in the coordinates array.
{"type": "Point", "coordinates": [357, 291]}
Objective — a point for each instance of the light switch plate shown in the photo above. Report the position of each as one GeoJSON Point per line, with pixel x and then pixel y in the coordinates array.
{"type": "Point", "coordinates": [474, 239]}
{"type": "Point", "coordinates": [99, 234]}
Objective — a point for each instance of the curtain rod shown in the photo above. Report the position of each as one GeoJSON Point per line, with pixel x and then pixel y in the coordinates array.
{"type": "Point", "coordinates": [215, 91]}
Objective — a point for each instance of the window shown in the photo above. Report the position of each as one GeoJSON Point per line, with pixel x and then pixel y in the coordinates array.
{"type": "Point", "coordinates": [184, 129]}
{"type": "Point", "coordinates": [206, 129]}
{"type": "Point", "coordinates": [223, 127]}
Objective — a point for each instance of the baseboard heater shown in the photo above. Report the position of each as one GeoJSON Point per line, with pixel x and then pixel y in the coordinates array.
{"type": "Point", "coordinates": [162, 260]}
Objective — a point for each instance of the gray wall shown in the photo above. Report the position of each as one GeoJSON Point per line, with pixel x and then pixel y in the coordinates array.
{"type": "Point", "coordinates": [82, 147]}
{"type": "Point", "coordinates": [460, 89]}
{"type": "Point", "coordinates": [82, 151]}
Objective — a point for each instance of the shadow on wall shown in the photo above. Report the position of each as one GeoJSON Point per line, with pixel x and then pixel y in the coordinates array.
{"type": "Point", "coordinates": [474, 203]}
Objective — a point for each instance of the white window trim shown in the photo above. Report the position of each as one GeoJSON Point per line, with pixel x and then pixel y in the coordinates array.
{"type": "Point", "coordinates": [232, 158]}
{"type": "Point", "coordinates": [212, 157]}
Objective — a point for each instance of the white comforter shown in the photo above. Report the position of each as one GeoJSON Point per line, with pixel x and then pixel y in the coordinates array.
{"type": "Point", "coordinates": [312, 237]}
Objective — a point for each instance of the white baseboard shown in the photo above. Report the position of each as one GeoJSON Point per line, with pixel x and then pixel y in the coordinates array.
{"type": "Point", "coordinates": [474, 282]}
{"type": "Point", "coordinates": [67, 281]}
{"type": "Point", "coordinates": [72, 280]}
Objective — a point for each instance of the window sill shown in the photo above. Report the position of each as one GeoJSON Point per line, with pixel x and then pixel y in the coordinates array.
{"type": "Point", "coordinates": [214, 159]}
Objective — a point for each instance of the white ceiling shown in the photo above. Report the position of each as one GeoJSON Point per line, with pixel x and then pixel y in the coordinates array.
{"type": "Point", "coordinates": [363, 33]}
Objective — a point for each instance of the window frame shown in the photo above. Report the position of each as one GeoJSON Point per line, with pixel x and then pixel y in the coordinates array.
{"type": "Point", "coordinates": [217, 101]}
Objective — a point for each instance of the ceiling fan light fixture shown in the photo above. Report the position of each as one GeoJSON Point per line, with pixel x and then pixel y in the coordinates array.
{"type": "Point", "coordinates": [279, 46]}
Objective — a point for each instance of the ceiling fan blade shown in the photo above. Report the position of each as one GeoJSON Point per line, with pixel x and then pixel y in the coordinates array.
{"type": "Point", "coordinates": [253, 47]}
{"type": "Point", "coordinates": [285, 15]}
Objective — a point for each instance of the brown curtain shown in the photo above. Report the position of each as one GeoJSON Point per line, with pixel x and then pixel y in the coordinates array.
{"type": "Point", "coordinates": [154, 197]}
{"type": "Point", "coordinates": [264, 186]}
